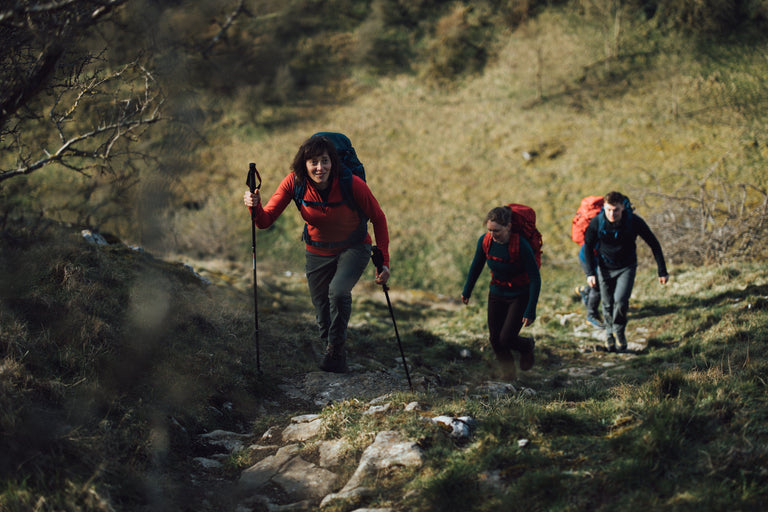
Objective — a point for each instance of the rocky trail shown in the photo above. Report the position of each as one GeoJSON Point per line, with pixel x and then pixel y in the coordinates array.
{"type": "Point", "coordinates": [299, 468]}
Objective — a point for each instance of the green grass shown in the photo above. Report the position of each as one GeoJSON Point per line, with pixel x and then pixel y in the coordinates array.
{"type": "Point", "coordinates": [678, 426]}
{"type": "Point", "coordinates": [113, 361]}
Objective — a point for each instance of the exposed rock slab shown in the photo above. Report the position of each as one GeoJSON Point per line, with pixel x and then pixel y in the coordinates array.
{"type": "Point", "coordinates": [389, 449]}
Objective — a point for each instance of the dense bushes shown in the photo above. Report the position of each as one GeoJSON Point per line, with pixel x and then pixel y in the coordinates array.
{"type": "Point", "coordinates": [713, 16]}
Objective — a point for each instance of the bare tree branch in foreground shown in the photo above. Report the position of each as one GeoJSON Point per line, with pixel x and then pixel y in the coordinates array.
{"type": "Point", "coordinates": [60, 103]}
{"type": "Point", "coordinates": [222, 33]}
{"type": "Point", "coordinates": [124, 102]}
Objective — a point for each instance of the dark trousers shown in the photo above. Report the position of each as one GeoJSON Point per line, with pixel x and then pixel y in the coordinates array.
{"type": "Point", "coordinates": [593, 302]}
{"type": "Point", "coordinates": [615, 290]}
{"type": "Point", "coordinates": [593, 297]}
{"type": "Point", "coordinates": [505, 319]}
{"type": "Point", "coordinates": [330, 280]}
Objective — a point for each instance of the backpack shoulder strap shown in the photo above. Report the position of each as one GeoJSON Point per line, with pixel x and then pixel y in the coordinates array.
{"type": "Point", "coordinates": [600, 223]}
{"type": "Point", "coordinates": [487, 238]}
{"type": "Point", "coordinates": [629, 214]}
{"type": "Point", "coordinates": [298, 192]}
{"type": "Point", "coordinates": [513, 247]}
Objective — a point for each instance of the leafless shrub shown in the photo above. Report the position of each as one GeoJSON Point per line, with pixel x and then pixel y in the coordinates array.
{"type": "Point", "coordinates": [61, 104]}
{"type": "Point", "coordinates": [711, 220]}
{"type": "Point", "coordinates": [93, 113]}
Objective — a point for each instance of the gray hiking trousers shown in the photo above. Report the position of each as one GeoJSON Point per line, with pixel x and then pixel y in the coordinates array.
{"type": "Point", "coordinates": [615, 290]}
{"type": "Point", "coordinates": [330, 280]}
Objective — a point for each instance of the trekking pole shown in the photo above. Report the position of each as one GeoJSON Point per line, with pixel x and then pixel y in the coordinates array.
{"type": "Point", "coordinates": [378, 260]}
{"type": "Point", "coordinates": [253, 175]}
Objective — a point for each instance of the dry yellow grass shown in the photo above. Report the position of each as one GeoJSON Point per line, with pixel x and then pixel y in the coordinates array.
{"type": "Point", "coordinates": [438, 160]}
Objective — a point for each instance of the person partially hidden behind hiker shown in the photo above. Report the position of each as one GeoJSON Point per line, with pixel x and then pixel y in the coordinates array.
{"type": "Point", "coordinates": [513, 293]}
{"type": "Point", "coordinates": [338, 246]}
{"type": "Point", "coordinates": [611, 262]}
{"type": "Point", "coordinates": [590, 296]}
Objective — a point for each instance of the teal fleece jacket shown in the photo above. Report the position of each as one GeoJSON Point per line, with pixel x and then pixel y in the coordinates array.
{"type": "Point", "coordinates": [525, 263]}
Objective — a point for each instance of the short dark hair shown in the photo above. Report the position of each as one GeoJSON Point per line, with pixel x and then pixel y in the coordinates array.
{"type": "Point", "coordinates": [500, 215]}
{"type": "Point", "coordinates": [614, 198]}
{"type": "Point", "coordinates": [314, 147]}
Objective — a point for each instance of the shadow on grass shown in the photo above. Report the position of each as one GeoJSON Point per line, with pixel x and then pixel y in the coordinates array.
{"type": "Point", "coordinates": [658, 308]}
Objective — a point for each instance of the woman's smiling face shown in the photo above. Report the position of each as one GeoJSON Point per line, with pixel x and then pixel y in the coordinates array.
{"type": "Point", "coordinates": [319, 170]}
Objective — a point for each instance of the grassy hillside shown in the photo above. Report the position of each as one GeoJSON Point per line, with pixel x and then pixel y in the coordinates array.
{"type": "Point", "coordinates": [113, 360]}
{"type": "Point", "coordinates": [669, 122]}
{"type": "Point", "coordinates": [665, 101]}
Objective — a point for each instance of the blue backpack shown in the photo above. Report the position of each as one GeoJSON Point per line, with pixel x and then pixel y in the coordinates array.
{"type": "Point", "coordinates": [350, 166]}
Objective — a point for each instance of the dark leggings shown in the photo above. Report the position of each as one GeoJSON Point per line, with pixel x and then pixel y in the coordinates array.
{"type": "Point", "coordinates": [505, 319]}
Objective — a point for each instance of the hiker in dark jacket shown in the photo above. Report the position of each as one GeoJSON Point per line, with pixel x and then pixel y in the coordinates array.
{"type": "Point", "coordinates": [613, 234]}
{"type": "Point", "coordinates": [514, 289]}
{"type": "Point", "coordinates": [338, 246]}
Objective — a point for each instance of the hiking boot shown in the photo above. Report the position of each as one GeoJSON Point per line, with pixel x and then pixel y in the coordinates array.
{"type": "Point", "coordinates": [526, 357]}
{"type": "Point", "coordinates": [583, 293]}
{"type": "Point", "coordinates": [610, 343]}
{"type": "Point", "coordinates": [622, 341]}
{"type": "Point", "coordinates": [335, 359]}
{"type": "Point", "coordinates": [507, 369]}
{"type": "Point", "coordinates": [594, 322]}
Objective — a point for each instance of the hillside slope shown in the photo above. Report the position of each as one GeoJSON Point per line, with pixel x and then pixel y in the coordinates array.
{"type": "Point", "coordinates": [114, 362]}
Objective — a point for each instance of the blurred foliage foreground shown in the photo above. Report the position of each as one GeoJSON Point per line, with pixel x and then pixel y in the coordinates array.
{"type": "Point", "coordinates": [114, 361]}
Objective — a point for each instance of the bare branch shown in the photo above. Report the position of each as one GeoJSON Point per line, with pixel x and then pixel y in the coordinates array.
{"type": "Point", "coordinates": [122, 112]}
{"type": "Point", "coordinates": [35, 37]}
{"type": "Point", "coordinates": [92, 9]}
{"type": "Point", "coordinates": [20, 91]}
{"type": "Point", "coordinates": [224, 27]}
{"type": "Point", "coordinates": [712, 220]}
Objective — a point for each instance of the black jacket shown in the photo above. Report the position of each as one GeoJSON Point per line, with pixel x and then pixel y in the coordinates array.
{"type": "Point", "coordinates": [616, 244]}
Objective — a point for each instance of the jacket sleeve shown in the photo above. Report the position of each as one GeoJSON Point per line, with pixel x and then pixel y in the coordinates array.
{"type": "Point", "coordinates": [590, 242]}
{"type": "Point", "coordinates": [583, 259]}
{"type": "Point", "coordinates": [646, 234]}
{"type": "Point", "coordinates": [370, 206]}
{"type": "Point", "coordinates": [532, 269]}
{"type": "Point", "coordinates": [265, 216]}
{"type": "Point", "coordinates": [475, 269]}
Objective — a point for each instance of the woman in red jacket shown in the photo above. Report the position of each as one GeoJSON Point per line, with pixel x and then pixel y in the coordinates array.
{"type": "Point", "coordinates": [338, 245]}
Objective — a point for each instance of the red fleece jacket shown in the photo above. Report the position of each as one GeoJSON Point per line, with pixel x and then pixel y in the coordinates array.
{"type": "Point", "coordinates": [330, 223]}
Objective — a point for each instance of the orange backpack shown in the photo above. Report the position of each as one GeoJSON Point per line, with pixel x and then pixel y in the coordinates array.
{"type": "Point", "coordinates": [590, 206]}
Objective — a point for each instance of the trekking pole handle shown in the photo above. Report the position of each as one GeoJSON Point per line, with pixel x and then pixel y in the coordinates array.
{"type": "Point", "coordinates": [378, 258]}
{"type": "Point", "coordinates": [253, 175]}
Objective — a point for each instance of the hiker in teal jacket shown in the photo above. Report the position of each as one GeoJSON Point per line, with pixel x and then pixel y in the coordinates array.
{"type": "Point", "coordinates": [611, 262]}
{"type": "Point", "coordinates": [514, 289]}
